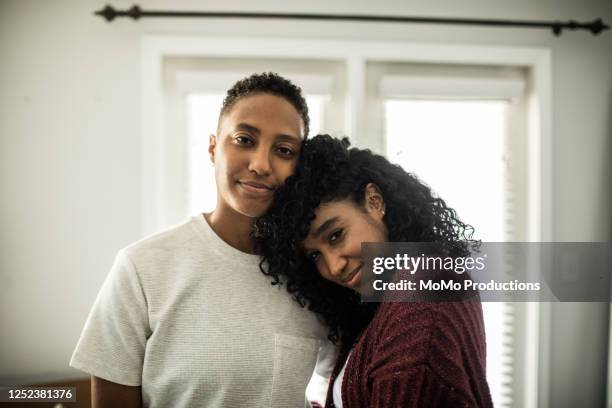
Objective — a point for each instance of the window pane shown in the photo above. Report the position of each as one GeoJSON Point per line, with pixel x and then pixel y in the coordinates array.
{"type": "Point", "coordinates": [203, 115]}
{"type": "Point", "coordinates": [457, 148]}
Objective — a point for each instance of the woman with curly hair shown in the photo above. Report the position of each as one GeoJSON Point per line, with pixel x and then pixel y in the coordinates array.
{"type": "Point", "coordinates": [418, 354]}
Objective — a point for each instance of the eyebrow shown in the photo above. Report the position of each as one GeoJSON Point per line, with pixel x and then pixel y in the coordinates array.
{"type": "Point", "coordinates": [257, 131]}
{"type": "Point", "coordinates": [326, 225]}
{"type": "Point", "coordinates": [288, 138]}
{"type": "Point", "coordinates": [250, 128]}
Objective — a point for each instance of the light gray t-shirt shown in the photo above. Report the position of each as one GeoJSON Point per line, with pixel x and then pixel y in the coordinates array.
{"type": "Point", "coordinates": [196, 324]}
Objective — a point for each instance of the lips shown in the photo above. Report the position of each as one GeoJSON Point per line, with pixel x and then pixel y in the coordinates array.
{"type": "Point", "coordinates": [350, 276]}
{"type": "Point", "coordinates": [256, 187]}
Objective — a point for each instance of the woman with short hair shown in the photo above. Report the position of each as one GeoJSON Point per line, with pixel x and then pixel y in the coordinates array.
{"type": "Point", "coordinates": [185, 318]}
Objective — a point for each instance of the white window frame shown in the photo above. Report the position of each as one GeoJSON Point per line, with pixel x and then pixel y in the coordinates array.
{"type": "Point", "coordinates": [403, 86]}
{"type": "Point", "coordinates": [214, 81]}
{"type": "Point", "coordinates": [356, 54]}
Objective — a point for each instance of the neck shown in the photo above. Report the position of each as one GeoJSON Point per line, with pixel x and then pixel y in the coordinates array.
{"type": "Point", "coordinates": [233, 228]}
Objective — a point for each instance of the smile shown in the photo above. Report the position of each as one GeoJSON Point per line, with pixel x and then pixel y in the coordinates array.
{"type": "Point", "coordinates": [255, 187]}
{"type": "Point", "coordinates": [353, 277]}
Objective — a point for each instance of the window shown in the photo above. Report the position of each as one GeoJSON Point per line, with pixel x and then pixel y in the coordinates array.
{"type": "Point", "coordinates": [462, 159]}
{"type": "Point", "coordinates": [453, 134]}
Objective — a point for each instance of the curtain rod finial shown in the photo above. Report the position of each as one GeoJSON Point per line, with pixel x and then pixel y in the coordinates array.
{"type": "Point", "coordinates": [134, 12]}
{"type": "Point", "coordinates": [108, 13]}
{"type": "Point", "coordinates": [598, 26]}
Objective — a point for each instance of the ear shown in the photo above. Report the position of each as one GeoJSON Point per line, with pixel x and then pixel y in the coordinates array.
{"type": "Point", "coordinates": [212, 144]}
{"type": "Point", "coordinates": [374, 201]}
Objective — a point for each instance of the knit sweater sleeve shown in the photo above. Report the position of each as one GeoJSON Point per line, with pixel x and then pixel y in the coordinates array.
{"type": "Point", "coordinates": [428, 355]}
{"type": "Point", "coordinates": [416, 388]}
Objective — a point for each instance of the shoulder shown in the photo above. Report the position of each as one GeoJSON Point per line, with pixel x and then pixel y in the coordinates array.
{"type": "Point", "coordinates": [191, 242]}
{"type": "Point", "coordinates": [168, 239]}
{"type": "Point", "coordinates": [428, 315]}
{"type": "Point", "coordinates": [188, 251]}
{"type": "Point", "coordinates": [424, 329]}
{"type": "Point", "coordinates": [165, 254]}
{"type": "Point", "coordinates": [444, 340]}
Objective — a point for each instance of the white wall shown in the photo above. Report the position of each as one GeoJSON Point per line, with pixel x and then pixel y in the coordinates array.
{"type": "Point", "coordinates": [70, 165]}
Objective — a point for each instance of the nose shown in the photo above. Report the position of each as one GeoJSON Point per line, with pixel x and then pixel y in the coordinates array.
{"type": "Point", "coordinates": [335, 264]}
{"type": "Point", "coordinates": [260, 161]}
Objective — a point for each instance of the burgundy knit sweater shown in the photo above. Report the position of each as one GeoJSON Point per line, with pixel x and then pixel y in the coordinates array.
{"type": "Point", "coordinates": [418, 355]}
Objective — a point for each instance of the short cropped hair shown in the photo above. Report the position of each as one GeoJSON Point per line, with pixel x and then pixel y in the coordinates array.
{"type": "Point", "coordinates": [268, 83]}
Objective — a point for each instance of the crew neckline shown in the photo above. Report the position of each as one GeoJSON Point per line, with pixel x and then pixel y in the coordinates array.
{"type": "Point", "coordinates": [218, 244]}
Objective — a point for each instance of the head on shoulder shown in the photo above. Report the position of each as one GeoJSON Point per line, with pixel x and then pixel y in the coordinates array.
{"type": "Point", "coordinates": [339, 197]}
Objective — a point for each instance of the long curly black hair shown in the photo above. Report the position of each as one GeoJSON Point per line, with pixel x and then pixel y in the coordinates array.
{"type": "Point", "coordinates": [328, 171]}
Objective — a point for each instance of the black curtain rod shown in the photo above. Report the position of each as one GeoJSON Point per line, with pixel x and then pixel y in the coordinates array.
{"type": "Point", "coordinates": [557, 27]}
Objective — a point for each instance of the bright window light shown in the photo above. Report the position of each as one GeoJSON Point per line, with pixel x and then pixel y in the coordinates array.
{"type": "Point", "coordinates": [457, 148]}
{"type": "Point", "coordinates": [203, 115]}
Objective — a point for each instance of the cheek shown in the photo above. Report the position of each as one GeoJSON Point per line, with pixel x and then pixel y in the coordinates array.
{"type": "Point", "coordinates": [376, 231]}
{"type": "Point", "coordinates": [221, 172]}
{"type": "Point", "coordinates": [228, 163]}
{"type": "Point", "coordinates": [352, 243]}
{"type": "Point", "coordinates": [376, 235]}
{"type": "Point", "coordinates": [326, 276]}
{"type": "Point", "coordinates": [322, 271]}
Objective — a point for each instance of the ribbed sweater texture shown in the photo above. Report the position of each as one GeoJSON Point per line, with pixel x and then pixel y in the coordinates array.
{"type": "Point", "coordinates": [418, 355]}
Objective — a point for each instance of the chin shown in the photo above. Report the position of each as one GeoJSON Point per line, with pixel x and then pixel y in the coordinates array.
{"type": "Point", "coordinates": [249, 207]}
{"type": "Point", "coordinates": [253, 211]}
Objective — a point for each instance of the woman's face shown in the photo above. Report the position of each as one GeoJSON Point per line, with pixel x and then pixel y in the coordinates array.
{"type": "Point", "coordinates": [335, 236]}
{"type": "Point", "coordinates": [255, 150]}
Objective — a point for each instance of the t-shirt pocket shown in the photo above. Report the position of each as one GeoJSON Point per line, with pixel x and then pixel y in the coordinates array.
{"type": "Point", "coordinates": [294, 361]}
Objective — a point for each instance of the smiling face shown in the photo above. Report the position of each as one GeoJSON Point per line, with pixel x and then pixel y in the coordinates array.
{"type": "Point", "coordinates": [334, 239]}
{"type": "Point", "coordinates": [255, 150]}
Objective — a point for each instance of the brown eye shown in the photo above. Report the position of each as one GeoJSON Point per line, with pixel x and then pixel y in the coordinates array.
{"type": "Point", "coordinates": [335, 236]}
{"type": "Point", "coordinates": [285, 152]}
{"type": "Point", "coordinates": [314, 256]}
{"type": "Point", "coordinates": [243, 140]}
